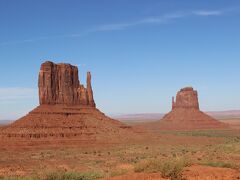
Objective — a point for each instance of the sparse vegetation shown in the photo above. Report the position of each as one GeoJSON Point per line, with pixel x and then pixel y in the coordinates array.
{"type": "Point", "coordinates": [169, 158]}
{"type": "Point", "coordinates": [169, 168]}
{"type": "Point", "coordinates": [32, 177]}
{"type": "Point", "coordinates": [219, 164]}
{"type": "Point", "coordinates": [118, 172]}
{"type": "Point", "coordinates": [73, 176]}
{"type": "Point", "coordinates": [58, 175]}
{"type": "Point", "coordinates": [203, 133]}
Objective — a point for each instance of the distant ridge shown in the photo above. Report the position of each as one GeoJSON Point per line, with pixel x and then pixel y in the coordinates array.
{"type": "Point", "coordinates": [142, 116]}
{"type": "Point", "coordinates": [5, 122]}
{"type": "Point", "coordinates": [225, 114]}
{"type": "Point", "coordinates": [229, 114]}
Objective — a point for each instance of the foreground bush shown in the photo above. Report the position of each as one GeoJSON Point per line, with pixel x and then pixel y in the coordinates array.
{"type": "Point", "coordinates": [73, 176]}
{"type": "Point", "coordinates": [220, 164]}
{"type": "Point", "coordinates": [171, 168]}
{"type": "Point", "coordinates": [58, 176]}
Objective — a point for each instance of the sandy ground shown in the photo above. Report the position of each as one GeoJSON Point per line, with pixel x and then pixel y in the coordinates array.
{"type": "Point", "coordinates": [195, 172]}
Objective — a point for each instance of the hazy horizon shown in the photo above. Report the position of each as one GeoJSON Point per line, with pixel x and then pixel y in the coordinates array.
{"type": "Point", "coordinates": [139, 53]}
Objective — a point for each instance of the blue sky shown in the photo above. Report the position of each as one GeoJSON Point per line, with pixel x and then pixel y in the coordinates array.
{"type": "Point", "coordinates": [140, 52]}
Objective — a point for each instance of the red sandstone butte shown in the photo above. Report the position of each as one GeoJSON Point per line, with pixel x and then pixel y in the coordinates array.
{"type": "Point", "coordinates": [186, 115]}
{"type": "Point", "coordinates": [59, 84]}
{"type": "Point", "coordinates": [186, 98]}
{"type": "Point", "coordinates": [67, 110]}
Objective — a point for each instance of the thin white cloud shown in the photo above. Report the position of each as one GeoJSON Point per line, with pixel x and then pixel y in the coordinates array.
{"type": "Point", "coordinates": [207, 13]}
{"type": "Point", "coordinates": [150, 20]}
{"type": "Point", "coordinates": [16, 101]}
{"type": "Point", "coordinates": [14, 94]}
{"type": "Point", "coordinates": [124, 25]}
{"type": "Point", "coordinates": [45, 38]}
{"type": "Point", "coordinates": [156, 20]}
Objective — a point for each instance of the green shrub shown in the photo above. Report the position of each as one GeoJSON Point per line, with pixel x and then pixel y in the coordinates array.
{"type": "Point", "coordinates": [118, 172]}
{"type": "Point", "coordinates": [151, 166]}
{"type": "Point", "coordinates": [32, 177]}
{"type": "Point", "coordinates": [219, 164]}
{"type": "Point", "coordinates": [171, 168]}
{"type": "Point", "coordinates": [73, 176]}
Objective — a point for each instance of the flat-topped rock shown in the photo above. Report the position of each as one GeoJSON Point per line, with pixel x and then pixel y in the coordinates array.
{"type": "Point", "coordinates": [186, 98]}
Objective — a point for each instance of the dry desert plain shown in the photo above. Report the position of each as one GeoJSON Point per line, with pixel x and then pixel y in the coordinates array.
{"type": "Point", "coordinates": [203, 154]}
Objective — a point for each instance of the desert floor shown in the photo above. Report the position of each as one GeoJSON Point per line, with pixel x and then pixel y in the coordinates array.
{"type": "Point", "coordinates": [209, 154]}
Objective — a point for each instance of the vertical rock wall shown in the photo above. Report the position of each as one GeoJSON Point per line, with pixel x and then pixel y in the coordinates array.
{"type": "Point", "coordinates": [186, 98]}
{"type": "Point", "coordinates": [59, 84]}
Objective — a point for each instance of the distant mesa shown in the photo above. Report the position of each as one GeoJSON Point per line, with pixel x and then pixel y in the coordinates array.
{"type": "Point", "coordinates": [186, 98]}
{"type": "Point", "coordinates": [67, 110]}
{"type": "Point", "coordinates": [186, 115]}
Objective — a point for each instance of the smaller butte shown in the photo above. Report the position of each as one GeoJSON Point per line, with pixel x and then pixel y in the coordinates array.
{"type": "Point", "coordinates": [186, 115]}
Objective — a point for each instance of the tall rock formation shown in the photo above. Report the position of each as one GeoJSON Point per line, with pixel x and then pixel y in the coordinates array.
{"type": "Point", "coordinates": [186, 115]}
{"type": "Point", "coordinates": [67, 110]}
{"type": "Point", "coordinates": [59, 84]}
{"type": "Point", "coordinates": [186, 98]}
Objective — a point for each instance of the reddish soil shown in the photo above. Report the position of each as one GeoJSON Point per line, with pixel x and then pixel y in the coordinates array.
{"type": "Point", "coordinates": [139, 176]}
{"type": "Point", "coordinates": [210, 173]}
{"type": "Point", "coordinates": [233, 123]}
{"type": "Point", "coordinates": [195, 172]}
